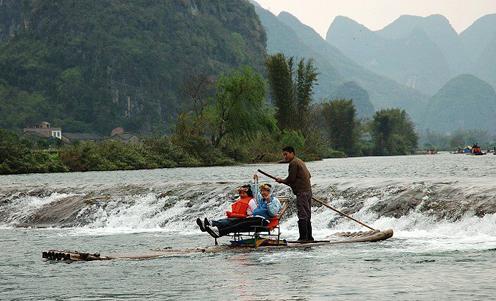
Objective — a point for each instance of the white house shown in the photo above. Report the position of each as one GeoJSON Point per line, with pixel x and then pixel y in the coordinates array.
{"type": "Point", "coordinates": [45, 130]}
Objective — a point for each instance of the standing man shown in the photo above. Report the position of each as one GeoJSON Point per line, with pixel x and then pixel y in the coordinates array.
{"type": "Point", "coordinates": [299, 181]}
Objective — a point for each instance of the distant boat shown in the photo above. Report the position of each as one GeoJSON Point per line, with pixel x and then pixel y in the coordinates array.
{"type": "Point", "coordinates": [474, 150]}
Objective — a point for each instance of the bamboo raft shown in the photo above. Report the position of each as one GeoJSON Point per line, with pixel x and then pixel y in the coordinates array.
{"type": "Point", "coordinates": [338, 238]}
{"type": "Point", "coordinates": [257, 242]}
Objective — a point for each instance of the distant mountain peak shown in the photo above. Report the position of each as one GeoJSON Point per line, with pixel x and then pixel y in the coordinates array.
{"type": "Point", "coordinates": [438, 20]}
{"type": "Point", "coordinates": [406, 24]}
{"type": "Point", "coordinates": [286, 15]}
{"type": "Point", "coordinates": [438, 17]}
{"type": "Point", "coordinates": [344, 19]}
{"type": "Point", "coordinates": [483, 21]}
{"type": "Point", "coordinates": [471, 79]}
{"type": "Point", "coordinates": [288, 18]}
{"type": "Point", "coordinates": [477, 39]}
{"type": "Point", "coordinates": [464, 102]}
{"type": "Point", "coordinates": [293, 22]}
{"type": "Point", "coordinates": [342, 25]}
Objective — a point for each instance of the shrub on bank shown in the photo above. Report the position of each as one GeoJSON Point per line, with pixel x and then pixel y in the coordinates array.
{"type": "Point", "coordinates": [148, 154]}
{"type": "Point", "coordinates": [18, 156]}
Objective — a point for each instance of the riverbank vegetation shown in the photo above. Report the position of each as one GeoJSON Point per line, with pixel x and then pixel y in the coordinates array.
{"type": "Point", "coordinates": [228, 122]}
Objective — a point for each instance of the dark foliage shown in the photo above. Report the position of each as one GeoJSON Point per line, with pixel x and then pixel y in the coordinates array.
{"type": "Point", "coordinates": [393, 133]}
{"type": "Point", "coordinates": [341, 125]}
{"type": "Point", "coordinates": [97, 64]}
{"type": "Point", "coordinates": [291, 89]}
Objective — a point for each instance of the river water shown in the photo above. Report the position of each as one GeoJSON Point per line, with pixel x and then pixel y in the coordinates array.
{"type": "Point", "coordinates": [442, 209]}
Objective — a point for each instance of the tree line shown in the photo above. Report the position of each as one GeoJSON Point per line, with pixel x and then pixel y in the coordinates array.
{"type": "Point", "coordinates": [229, 120]}
{"type": "Point", "coordinates": [333, 123]}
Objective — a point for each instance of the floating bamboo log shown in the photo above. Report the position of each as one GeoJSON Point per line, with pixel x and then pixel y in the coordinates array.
{"type": "Point", "coordinates": [338, 238]}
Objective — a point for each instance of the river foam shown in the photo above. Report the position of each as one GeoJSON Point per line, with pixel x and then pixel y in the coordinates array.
{"type": "Point", "coordinates": [392, 192]}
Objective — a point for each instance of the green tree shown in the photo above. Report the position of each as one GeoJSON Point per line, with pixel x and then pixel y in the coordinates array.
{"type": "Point", "coordinates": [306, 78]}
{"type": "Point", "coordinates": [393, 133]}
{"type": "Point", "coordinates": [239, 109]}
{"type": "Point", "coordinates": [12, 153]}
{"type": "Point", "coordinates": [293, 138]}
{"type": "Point", "coordinates": [19, 108]}
{"type": "Point", "coordinates": [18, 156]}
{"type": "Point", "coordinates": [291, 90]}
{"type": "Point", "coordinates": [341, 124]}
{"type": "Point", "coordinates": [280, 73]}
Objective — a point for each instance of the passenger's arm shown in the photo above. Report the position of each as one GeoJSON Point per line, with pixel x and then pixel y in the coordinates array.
{"type": "Point", "coordinates": [256, 191]}
{"type": "Point", "coordinates": [274, 207]}
{"type": "Point", "coordinates": [252, 205]}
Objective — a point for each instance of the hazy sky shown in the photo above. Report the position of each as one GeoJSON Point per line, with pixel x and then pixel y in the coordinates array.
{"type": "Point", "coordinates": [375, 14]}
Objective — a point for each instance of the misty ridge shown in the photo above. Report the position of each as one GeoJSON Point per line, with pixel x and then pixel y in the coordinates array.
{"type": "Point", "coordinates": [93, 66]}
{"type": "Point", "coordinates": [445, 81]}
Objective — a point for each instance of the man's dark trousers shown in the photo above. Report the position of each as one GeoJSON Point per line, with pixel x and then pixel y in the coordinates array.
{"type": "Point", "coordinates": [304, 208]}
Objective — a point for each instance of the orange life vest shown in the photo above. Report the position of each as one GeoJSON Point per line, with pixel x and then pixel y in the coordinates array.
{"type": "Point", "coordinates": [239, 208]}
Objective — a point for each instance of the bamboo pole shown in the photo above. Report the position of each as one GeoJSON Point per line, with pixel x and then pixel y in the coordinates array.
{"type": "Point", "coordinates": [343, 214]}
{"type": "Point", "coordinates": [324, 204]}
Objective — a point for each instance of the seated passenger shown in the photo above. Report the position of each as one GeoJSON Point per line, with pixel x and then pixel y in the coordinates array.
{"type": "Point", "coordinates": [239, 219]}
{"type": "Point", "coordinates": [268, 206]}
{"type": "Point", "coordinates": [244, 205]}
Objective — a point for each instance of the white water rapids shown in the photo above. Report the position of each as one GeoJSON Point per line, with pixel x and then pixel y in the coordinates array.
{"type": "Point", "coordinates": [442, 209]}
{"type": "Point", "coordinates": [445, 211]}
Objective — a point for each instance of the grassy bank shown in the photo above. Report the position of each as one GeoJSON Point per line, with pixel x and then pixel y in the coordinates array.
{"type": "Point", "coordinates": [20, 155]}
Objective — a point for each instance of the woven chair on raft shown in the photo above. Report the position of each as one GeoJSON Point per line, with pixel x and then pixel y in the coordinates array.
{"type": "Point", "coordinates": [271, 233]}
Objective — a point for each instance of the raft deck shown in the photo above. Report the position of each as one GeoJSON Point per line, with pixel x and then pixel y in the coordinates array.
{"type": "Point", "coordinates": [338, 238]}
